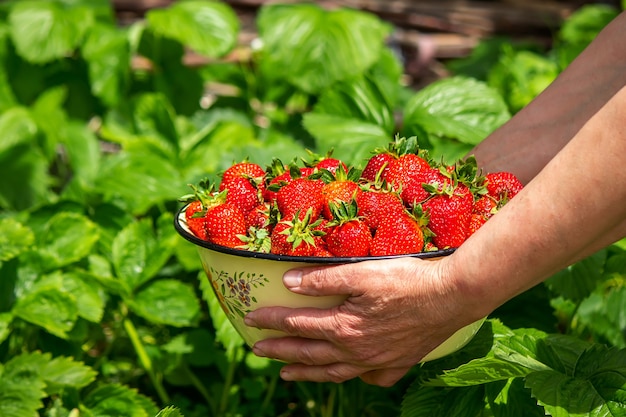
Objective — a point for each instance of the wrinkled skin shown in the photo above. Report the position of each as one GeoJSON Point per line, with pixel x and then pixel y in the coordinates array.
{"type": "Point", "coordinates": [403, 303]}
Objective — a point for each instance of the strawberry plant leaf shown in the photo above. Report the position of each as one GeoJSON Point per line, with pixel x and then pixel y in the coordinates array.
{"type": "Point", "coordinates": [579, 280]}
{"type": "Point", "coordinates": [208, 27]}
{"type": "Point", "coordinates": [84, 288]}
{"type": "Point", "coordinates": [28, 170]}
{"type": "Point", "coordinates": [138, 255]}
{"type": "Point", "coordinates": [68, 237]}
{"type": "Point", "coordinates": [21, 385]}
{"type": "Point", "coordinates": [43, 31]}
{"type": "Point", "coordinates": [117, 400]}
{"type": "Point", "coordinates": [323, 47]}
{"type": "Point", "coordinates": [48, 307]}
{"type": "Point", "coordinates": [64, 372]}
{"type": "Point", "coordinates": [442, 402]}
{"type": "Point", "coordinates": [168, 302]}
{"type": "Point", "coordinates": [351, 139]}
{"type": "Point", "coordinates": [5, 325]}
{"type": "Point", "coordinates": [15, 238]}
{"type": "Point", "coordinates": [510, 398]}
{"type": "Point", "coordinates": [603, 314]}
{"type": "Point", "coordinates": [169, 412]}
{"type": "Point", "coordinates": [107, 53]}
{"type": "Point", "coordinates": [457, 108]}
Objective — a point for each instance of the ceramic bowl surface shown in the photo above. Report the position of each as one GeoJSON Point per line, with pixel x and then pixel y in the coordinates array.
{"type": "Point", "coordinates": [244, 281]}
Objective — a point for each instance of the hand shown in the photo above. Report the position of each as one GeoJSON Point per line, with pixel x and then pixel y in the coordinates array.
{"type": "Point", "coordinates": [396, 312]}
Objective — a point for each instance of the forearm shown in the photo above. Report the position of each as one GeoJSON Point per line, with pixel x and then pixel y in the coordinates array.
{"type": "Point", "coordinates": [574, 206]}
{"type": "Point", "coordinates": [533, 136]}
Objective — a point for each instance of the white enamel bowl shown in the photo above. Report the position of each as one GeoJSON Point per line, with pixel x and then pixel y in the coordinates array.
{"type": "Point", "coordinates": [244, 280]}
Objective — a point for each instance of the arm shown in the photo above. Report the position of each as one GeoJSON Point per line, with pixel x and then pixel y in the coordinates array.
{"type": "Point", "coordinates": [534, 135]}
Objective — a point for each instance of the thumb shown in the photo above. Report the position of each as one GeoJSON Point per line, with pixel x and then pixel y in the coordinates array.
{"type": "Point", "coordinates": [339, 279]}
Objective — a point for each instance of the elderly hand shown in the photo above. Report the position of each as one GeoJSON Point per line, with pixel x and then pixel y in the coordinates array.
{"type": "Point", "coordinates": [396, 312]}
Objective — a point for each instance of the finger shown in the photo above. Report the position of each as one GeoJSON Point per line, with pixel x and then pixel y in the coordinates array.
{"type": "Point", "coordinates": [311, 323]}
{"type": "Point", "coordinates": [344, 279]}
{"type": "Point", "coordinates": [298, 350]}
{"type": "Point", "coordinates": [336, 372]}
{"type": "Point", "coordinates": [384, 377]}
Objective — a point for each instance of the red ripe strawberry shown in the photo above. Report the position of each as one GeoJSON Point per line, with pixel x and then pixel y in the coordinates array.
{"type": "Point", "coordinates": [476, 222]}
{"type": "Point", "coordinates": [225, 223]}
{"type": "Point", "coordinates": [342, 186]}
{"type": "Point", "coordinates": [349, 235]}
{"type": "Point", "coordinates": [246, 170]}
{"type": "Point", "coordinates": [263, 216]}
{"type": "Point", "coordinates": [449, 212]}
{"type": "Point", "coordinates": [398, 236]}
{"type": "Point", "coordinates": [485, 206]}
{"type": "Point", "coordinates": [300, 195]}
{"type": "Point", "coordinates": [326, 162]}
{"type": "Point", "coordinates": [502, 186]}
{"type": "Point", "coordinates": [295, 236]}
{"type": "Point", "coordinates": [278, 175]}
{"type": "Point", "coordinates": [377, 166]}
{"type": "Point", "coordinates": [245, 184]}
{"type": "Point", "coordinates": [196, 222]}
{"type": "Point", "coordinates": [406, 175]}
{"type": "Point", "coordinates": [376, 205]}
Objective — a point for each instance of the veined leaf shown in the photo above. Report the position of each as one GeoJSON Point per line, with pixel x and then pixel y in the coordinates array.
{"type": "Point", "coordinates": [167, 301]}
{"type": "Point", "coordinates": [5, 325]}
{"type": "Point", "coordinates": [117, 400]}
{"type": "Point", "coordinates": [313, 48]}
{"type": "Point", "coordinates": [68, 237]}
{"type": "Point", "coordinates": [169, 412]}
{"type": "Point", "coordinates": [43, 31]}
{"type": "Point", "coordinates": [17, 127]}
{"type": "Point", "coordinates": [480, 371]}
{"type": "Point", "coordinates": [49, 308]}
{"type": "Point", "coordinates": [351, 139]}
{"type": "Point", "coordinates": [138, 255]}
{"type": "Point", "coordinates": [603, 313]}
{"type": "Point", "coordinates": [207, 27]}
{"type": "Point", "coordinates": [107, 52]}
{"type": "Point", "coordinates": [84, 288]}
{"type": "Point", "coordinates": [458, 108]}
{"type": "Point", "coordinates": [578, 281]}
{"type": "Point", "coordinates": [511, 398]}
{"type": "Point", "coordinates": [442, 402]}
{"type": "Point", "coordinates": [21, 385]}
{"type": "Point", "coordinates": [15, 238]}
{"type": "Point", "coordinates": [62, 372]}
{"type": "Point", "coordinates": [83, 152]}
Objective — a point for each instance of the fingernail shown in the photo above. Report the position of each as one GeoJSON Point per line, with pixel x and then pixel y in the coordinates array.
{"type": "Point", "coordinates": [249, 321]}
{"type": "Point", "coordinates": [285, 375]}
{"type": "Point", "coordinates": [292, 278]}
{"type": "Point", "coordinates": [258, 352]}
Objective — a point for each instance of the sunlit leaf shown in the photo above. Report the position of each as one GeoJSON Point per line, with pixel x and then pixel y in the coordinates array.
{"type": "Point", "coordinates": [207, 27]}
{"type": "Point", "coordinates": [312, 47]}
{"type": "Point", "coordinates": [15, 238]}
{"type": "Point", "coordinates": [48, 307]}
{"type": "Point", "coordinates": [167, 302]}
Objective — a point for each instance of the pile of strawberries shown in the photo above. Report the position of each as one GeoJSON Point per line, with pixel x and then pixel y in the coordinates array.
{"type": "Point", "coordinates": [402, 202]}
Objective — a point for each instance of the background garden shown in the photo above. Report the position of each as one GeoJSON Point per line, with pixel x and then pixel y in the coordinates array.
{"type": "Point", "coordinates": [105, 119]}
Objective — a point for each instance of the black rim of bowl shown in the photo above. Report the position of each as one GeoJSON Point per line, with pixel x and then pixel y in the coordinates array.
{"type": "Point", "coordinates": [180, 226]}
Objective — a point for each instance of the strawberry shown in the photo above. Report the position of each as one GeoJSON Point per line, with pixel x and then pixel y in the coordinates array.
{"type": "Point", "coordinates": [278, 175]}
{"type": "Point", "coordinates": [406, 174]}
{"type": "Point", "coordinates": [196, 222]}
{"type": "Point", "coordinates": [350, 235]}
{"type": "Point", "coordinates": [377, 165]}
{"type": "Point", "coordinates": [225, 222]}
{"type": "Point", "coordinates": [295, 236]}
{"type": "Point", "coordinates": [476, 222]}
{"type": "Point", "coordinates": [397, 236]}
{"type": "Point", "coordinates": [327, 162]}
{"type": "Point", "coordinates": [300, 195]}
{"type": "Point", "coordinates": [376, 205]}
{"type": "Point", "coordinates": [485, 206]}
{"type": "Point", "coordinates": [502, 186]}
{"type": "Point", "coordinates": [342, 186]}
{"type": "Point", "coordinates": [245, 184]}
{"type": "Point", "coordinates": [449, 212]}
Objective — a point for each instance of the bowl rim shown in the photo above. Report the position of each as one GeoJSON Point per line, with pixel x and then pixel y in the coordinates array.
{"type": "Point", "coordinates": [180, 224]}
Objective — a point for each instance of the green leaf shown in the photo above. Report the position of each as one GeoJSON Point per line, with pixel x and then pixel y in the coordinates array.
{"type": "Point", "coordinates": [167, 302]}
{"type": "Point", "coordinates": [208, 27]}
{"type": "Point", "coordinates": [442, 402]}
{"type": "Point", "coordinates": [83, 287]}
{"type": "Point", "coordinates": [153, 116]}
{"type": "Point", "coordinates": [68, 237]}
{"type": "Point", "coordinates": [17, 127]}
{"type": "Point", "coordinates": [352, 140]}
{"type": "Point", "coordinates": [82, 149]}
{"type": "Point", "coordinates": [480, 371]}
{"type": "Point", "coordinates": [43, 31]}
{"type": "Point", "coordinates": [578, 281]}
{"type": "Point", "coordinates": [603, 313]}
{"type": "Point", "coordinates": [313, 48]}
{"type": "Point", "coordinates": [27, 168]}
{"type": "Point", "coordinates": [63, 372]}
{"type": "Point", "coordinates": [458, 108]}
{"type": "Point", "coordinates": [5, 325]}
{"type": "Point", "coordinates": [107, 52]}
{"type": "Point", "coordinates": [137, 253]}
{"type": "Point", "coordinates": [48, 307]}
{"type": "Point", "coordinates": [21, 385]}
{"type": "Point", "coordinates": [512, 399]}
{"type": "Point", "coordinates": [169, 412]}
{"type": "Point", "coordinates": [15, 238]}
{"type": "Point", "coordinates": [117, 400]}
{"type": "Point", "coordinates": [197, 346]}
{"type": "Point", "coordinates": [51, 119]}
